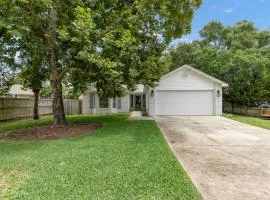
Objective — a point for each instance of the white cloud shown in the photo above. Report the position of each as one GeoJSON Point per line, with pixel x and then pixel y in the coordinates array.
{"type": "Point", "coordinates": [228, 10]}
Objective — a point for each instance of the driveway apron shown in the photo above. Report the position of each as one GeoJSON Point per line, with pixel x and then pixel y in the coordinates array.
{"type": "Point", "coordinates": [226, 160]}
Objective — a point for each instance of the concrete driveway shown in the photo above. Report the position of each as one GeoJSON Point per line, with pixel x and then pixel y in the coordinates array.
{"type": "Point", "coordinates": [225, 159]}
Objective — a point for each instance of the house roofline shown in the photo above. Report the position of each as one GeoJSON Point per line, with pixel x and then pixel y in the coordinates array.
{"type": "Point", "coordinates": [223, 84]}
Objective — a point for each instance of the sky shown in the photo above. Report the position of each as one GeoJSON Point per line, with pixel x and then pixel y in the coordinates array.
{"type": "Point", "coordinates": [228, 12]}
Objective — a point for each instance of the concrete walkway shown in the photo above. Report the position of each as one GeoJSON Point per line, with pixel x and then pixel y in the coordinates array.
{"type": "Point", "coordinates": [226, 160]}
{"type": "Point", "coordinates": [137, 115]}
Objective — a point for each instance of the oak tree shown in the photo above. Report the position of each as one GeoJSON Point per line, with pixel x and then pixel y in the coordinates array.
{"type": "Point", "coordinates": [109, 43]}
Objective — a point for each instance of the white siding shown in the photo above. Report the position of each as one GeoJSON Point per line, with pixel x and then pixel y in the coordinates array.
{"type": "Point", "coordinates": [86, 101]}
{"type": "Point", "coordinates": [125, 104]}
{"type": "Point", "coordinates": [187, 81]}
{"type": "Point", "coordinates": [150, 101]}
{"type": "Point", "coordinates": [218, 100]}
{"type": "Point", "coordinates": [86, 104]}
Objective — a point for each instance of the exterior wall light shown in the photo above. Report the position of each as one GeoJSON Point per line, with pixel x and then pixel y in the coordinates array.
{"type": "Point", "coordinates": [152, 93]}
{"type": "Point", "coordinates": [218, 93]}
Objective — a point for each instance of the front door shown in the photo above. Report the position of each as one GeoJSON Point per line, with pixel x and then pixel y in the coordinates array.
{"type": "Point", "coordinates": [138, 102]}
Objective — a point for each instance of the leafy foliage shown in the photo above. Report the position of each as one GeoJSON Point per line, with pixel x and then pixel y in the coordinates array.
{"type": "Point", "coordinates": [110, 43]}
{"type": "Point", "coordinates": [233, 54]}
{"type": "Point", "coordinates": [32, 77]}
{"type": "Point", "coordinates": [7, 50]}
{"type": "Point", "coordinates": [213, 34]}
{"type": "Point", "coordinates": [125, 43]}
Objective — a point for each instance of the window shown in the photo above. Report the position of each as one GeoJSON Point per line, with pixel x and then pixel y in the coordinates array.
{"type": "Point", "coordinates": [131, 101]}
{"type": "Point", "coordinates": [119, 103]}
{"type": "Point", "coordinates": [114, 102]}
{"type": "Point", "coordinates": [144, 101]}
{"type": "Point", "coordinates": [103, 102]}
{"type": "Point", "coordinates": [92, 100]}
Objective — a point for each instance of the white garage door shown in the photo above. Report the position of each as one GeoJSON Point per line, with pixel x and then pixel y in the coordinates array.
{"type": "Point", "coordinates": [185, 103]}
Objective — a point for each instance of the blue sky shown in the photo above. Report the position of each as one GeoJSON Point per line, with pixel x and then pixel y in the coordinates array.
{"type": "Point", "coordinates": [229, 12]}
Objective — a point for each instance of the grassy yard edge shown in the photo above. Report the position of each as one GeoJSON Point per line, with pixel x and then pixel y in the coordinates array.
{"type": "Point", "coordinates": [47, 120]}
{"type": "Point", "coordinates": [177, 157]}
{"type": "Point", "coordinates": [254, 121]}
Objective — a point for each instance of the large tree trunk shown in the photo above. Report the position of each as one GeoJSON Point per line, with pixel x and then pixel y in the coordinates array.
{"type": "Point", "coordinates": [35, 111]}
{"type": "Point", "coordinates": [55, 71]}
{"type": "Point", "coordinates": [58, 105]}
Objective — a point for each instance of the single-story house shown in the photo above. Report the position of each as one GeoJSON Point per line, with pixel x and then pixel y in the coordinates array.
{"type": "Point", "coordinates": [18, 91]}
{"type": "Point", "coordinates": [184, 91]}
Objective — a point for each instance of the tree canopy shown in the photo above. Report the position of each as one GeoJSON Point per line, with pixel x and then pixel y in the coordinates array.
{"type": "Point", "coordinates": [8, 50]}
{"type": "Point", "coordinates": [109, 43]}
{"type": "Point", "coordinates": [235, 54]}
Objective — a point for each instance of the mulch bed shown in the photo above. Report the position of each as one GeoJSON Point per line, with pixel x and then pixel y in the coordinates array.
{"type": "Point", "coordinates": [49, 132]}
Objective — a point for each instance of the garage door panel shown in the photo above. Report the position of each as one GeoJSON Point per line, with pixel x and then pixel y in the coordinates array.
{"type": "Point", "coordinates": [185, 103]}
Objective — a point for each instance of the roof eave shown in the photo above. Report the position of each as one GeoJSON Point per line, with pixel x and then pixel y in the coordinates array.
{"type": "Point", "coordinates": [223, 84]}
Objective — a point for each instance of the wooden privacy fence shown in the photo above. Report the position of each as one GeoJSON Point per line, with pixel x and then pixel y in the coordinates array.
{"type": "Point", "coordinates": [12, 108]}
{"type": "Point", "coordinates": [241, 110]}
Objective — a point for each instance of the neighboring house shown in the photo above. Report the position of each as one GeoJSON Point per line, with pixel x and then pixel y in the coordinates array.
{"type": "Point", "coordinates": [17, 91]}
{"type": "Point", "coordinates": [184, 91]}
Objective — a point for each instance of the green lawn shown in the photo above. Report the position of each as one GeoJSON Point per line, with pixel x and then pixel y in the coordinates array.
{"type": "Point", "coordinates": [264, 123]}
{"type": "Point", "coordinates": [122, 160]}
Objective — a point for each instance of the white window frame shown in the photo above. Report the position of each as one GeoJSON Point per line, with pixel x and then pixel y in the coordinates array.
{"type": "Point", "coordinates": [113, 102]}
{"type": "Point", "coordinates": [92, 98]}
{"type": "Point", "coordinates": [119, 102]}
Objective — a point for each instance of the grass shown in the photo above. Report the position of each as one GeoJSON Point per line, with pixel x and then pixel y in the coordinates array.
{"type": "Point", "coordinates": [122, 160]}
{"type": "Point", "coordinates": [255, 121]}
{"type": "Point", "coordinates": [7, 126]}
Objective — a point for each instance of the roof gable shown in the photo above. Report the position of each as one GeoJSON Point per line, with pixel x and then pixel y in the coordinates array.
{"type": "Point", "coordinates": [17, 89]}
{"type": "Point", "coordinates": [197, 72]}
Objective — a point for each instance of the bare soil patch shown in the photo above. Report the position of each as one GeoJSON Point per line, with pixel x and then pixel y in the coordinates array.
{"type": "Point", "coordinates": [49, 132]}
